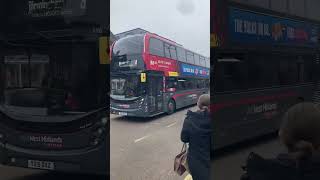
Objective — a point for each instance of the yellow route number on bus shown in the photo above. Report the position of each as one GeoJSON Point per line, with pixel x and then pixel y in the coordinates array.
{"type": "Point", "coordinates": [173, 74]}
{"type": "Point", "coordinates": [104, 50]}
{"type": "Point", "coordinates": [143, 77]}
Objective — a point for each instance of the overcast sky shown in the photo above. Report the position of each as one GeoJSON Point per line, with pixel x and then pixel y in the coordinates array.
{"type": "Point", "coordinates": [185, 21]}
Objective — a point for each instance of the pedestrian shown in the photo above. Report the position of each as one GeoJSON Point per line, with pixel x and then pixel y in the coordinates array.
{"type": "Point", "coordinates": [300, 134]}
{"type": "Point", "coordinates": [196, 132]}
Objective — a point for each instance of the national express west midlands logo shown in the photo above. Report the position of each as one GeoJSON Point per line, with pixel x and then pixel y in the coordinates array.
{"type": "Point", "coordinates": [46, 139]}
{"type": "Point", "coordinates": [266, 107]}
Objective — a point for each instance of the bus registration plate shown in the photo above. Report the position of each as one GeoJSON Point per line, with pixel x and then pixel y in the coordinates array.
{"type": "Point", "coordinates": [40, 165]}
{"type": "Point", "coordinates": [123, 113]}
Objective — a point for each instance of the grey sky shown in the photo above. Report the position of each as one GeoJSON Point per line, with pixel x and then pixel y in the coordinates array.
{"type": "Point", "coordinates": [185, 21]}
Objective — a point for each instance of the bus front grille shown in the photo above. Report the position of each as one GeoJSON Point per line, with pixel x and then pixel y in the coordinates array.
{"type": "Point", "coordinates": [48, 127]}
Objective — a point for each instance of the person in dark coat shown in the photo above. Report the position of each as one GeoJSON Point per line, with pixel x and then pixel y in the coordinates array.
{"type": "Point", "coordinates": [197, 132]}
{"type": "Point", "coordinates": [300, 133]}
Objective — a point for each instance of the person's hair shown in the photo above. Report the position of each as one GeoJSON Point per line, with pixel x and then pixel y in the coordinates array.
{"type": "Point", "coordinates": [204, 102]}
{"type": "Point", "coordinates": [300, 130]}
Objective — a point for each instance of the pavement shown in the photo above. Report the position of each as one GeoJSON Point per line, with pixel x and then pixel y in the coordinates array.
{"type": "Point", "coordinates": [144, 149]}
{"type": "Point", "coordinates": [227, 164]}
{"type": "Point", "coordinates": [14, 173]}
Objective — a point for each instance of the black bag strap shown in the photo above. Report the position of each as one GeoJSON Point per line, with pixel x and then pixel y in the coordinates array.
{"type": "Point", "coordinates": [184, 147]}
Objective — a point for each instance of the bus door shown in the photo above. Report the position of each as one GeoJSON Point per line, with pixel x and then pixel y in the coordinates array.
{"type": "Point", "coordinates": [155, 93]}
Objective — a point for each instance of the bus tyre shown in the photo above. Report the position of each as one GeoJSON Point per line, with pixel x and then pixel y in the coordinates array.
{"type": "Point", "coordinates": [171, 107]}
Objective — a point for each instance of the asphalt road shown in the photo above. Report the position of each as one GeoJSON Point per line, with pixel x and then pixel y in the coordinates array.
{"type": "Point", "coordinates": [227, 164]}
{"type": "Point", "coordinates": [13, 173]}
{"type": "Point", "coordinates": [144, 149]}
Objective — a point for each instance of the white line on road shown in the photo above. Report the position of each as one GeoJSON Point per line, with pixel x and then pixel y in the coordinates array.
{"type": "Point", "coordinates": [170, 125]}
{"type": "Point", "coordinates": [140, 139]}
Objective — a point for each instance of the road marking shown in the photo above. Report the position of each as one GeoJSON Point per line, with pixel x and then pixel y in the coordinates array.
{"type": "Point", "coordinates": [170, 125]}
{"type": "Point", "coordinates": [140, 139]}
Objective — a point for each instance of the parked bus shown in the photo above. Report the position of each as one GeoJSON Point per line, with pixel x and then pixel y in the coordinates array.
{"type": "Point", "coordinates": [151, 75]}
{"type": "Point", "coordinates": [54, 74]}
{"type": "Point", "coordinates": [262, 64]}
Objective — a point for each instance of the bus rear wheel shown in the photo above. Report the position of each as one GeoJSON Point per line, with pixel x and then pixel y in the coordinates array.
{"type": "Point", "coordinates": [171, 107]}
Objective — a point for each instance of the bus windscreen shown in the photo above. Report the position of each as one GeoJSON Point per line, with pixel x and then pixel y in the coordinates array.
{"type": "Point", "coordinates": [128, 87]}
{"type": "Point", "coordinates": [131, 45]}
{"type": "Point", "coordinates": [39, 81]}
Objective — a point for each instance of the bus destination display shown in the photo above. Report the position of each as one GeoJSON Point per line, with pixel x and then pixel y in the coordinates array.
{"type": "Point", "coordinates": [52, 8]}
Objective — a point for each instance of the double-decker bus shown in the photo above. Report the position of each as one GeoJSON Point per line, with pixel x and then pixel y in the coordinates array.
{"type": "Point", "coordinates": [54, 85]}
{"type": "Point", "coordinates": [151, 75]}
{"type": "Point", "coordinates": [263, 63]}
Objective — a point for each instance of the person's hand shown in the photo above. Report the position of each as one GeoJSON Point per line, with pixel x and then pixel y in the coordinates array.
{"type": "Point", "coordinates": [188, 177]}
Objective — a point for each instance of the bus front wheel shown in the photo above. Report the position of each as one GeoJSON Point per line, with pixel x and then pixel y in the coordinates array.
{"type": "Point", "coordinates": [171, 106]}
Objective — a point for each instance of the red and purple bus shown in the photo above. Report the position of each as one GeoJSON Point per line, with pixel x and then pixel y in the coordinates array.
{"type": "Point", "coordinates": [264, 63]}
{"type": "Point", "coordinates": [151, 75]}
{"type": "Point", "coordinates": [53, 82]}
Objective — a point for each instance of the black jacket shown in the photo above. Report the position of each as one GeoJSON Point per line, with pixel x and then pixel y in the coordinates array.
{"type": "Point", "coordinates": [197, 132]}
{"type": "Point", "coordinates": [284, 167]}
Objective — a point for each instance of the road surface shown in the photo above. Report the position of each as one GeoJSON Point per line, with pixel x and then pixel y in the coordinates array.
{"type": "Point", "coordinates": [144, 149]}
{"type": "Point", "coordinates": [13, 173]}
{"type": "Point", "coordinates": [227, 166]}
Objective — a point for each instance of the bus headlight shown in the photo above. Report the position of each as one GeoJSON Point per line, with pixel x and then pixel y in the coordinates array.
{"type": "Point", "coordinates": [95, 142]}
{"type": "Point", "coordinates": [2, 137]}
{"type": "Point", "coordinates": [97, 130]}
{"type": "Point", "coordinates": [97, 137]}
{"type": "Point", "coordinates": [100, 131]}
{"type": "Point", "coordinates": [104, 121]}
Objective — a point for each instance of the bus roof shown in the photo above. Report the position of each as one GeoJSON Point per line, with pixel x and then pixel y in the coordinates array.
{"type": "Point", "coordinates": [163, 39]}
{"type": "Point", "coordinates": [137, 31]}
{"type": "Point", "coordinates": [130, 32]}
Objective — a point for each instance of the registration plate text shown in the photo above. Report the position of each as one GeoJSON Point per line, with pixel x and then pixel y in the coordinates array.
{"type": "Point", "coordinates": [40, 165]}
